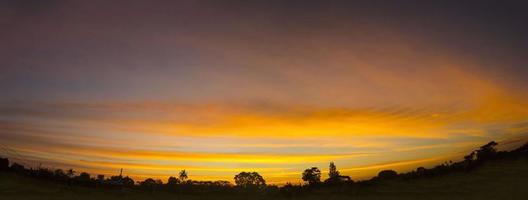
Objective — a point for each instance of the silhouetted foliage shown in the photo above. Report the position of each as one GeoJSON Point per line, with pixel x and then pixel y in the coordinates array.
{"type": "Point", "coordinates": [253, 183]}
{"type": "Point", "coordinates": [115, 181]}
{"type": "Point", "coordinates": [334, 177]}
{"type": "Point", "coordinates": [127, 181]}
{"type": "Point", "coordinates": [60, 175]}
{"type": "Point", "coordinates": [469, 160]}
{"type": "Point", "coordinates": [183, 175]}
{"type": "Point", "coordinates": [70, 173]}
{"type": "Point", "coordinates": [149, 184]}
{"type": "Point", "coordinates": [336, 180]}
{"type": "Point", "coordinates": [332, 171]}
{"type": "Point", "coordinates": [523, 150]}
{"type": "Point", "coordinates": [288, 190]}
{"type": "Point", "coordinates": [4, 164]}
{"type": "Point", "coordinates": [420, 171]}
{"type": "Point", "coordinates": [83, 177]}
{"type": "Point", "coordinates": [470, 157]}
{"type": "Point", "coordinates": [479, 156]}
{"type": "Point", "coordinates": [18, 168]}
{"type": "Point", "coordinates": [387, 174]}
{"type": "Point", "coordinates": [249, 180]}
{"type": "Point", "coordinates": [100, 179]}
{"type": "Point", "coordinates": [487, 151]}
{"type": "Point", "coordinates": [312, 175]}
{"type": "Point", "coordinates": [172, 181]}
{"type": "Point", "coordinates": [44, 173]}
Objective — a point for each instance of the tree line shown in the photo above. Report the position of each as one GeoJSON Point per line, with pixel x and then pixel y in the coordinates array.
{"type": "Point", "coordinates": [253, 182]}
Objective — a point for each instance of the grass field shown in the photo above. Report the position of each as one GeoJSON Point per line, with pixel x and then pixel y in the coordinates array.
{"type": "Point", "coordinates": [504, 179]}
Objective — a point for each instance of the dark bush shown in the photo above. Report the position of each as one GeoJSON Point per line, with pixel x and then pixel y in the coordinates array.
{"type": "Point", "coordinates": [249, 180]}
{"type": "Point", "coordinates": [387, 174]}
{"type": "Point", "coordinates": [4, 164]}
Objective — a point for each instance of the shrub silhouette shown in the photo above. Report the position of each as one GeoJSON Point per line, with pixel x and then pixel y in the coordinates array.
{"type": "Point", "coordinates": [172, 181]}
{"type": "Point", "coordinates": [85, 177]}
{"type": "Point", "coordinates": [18, 168]}
{"type": "Point", "coordinates": [487, 151]}
{"type": "Point", "coordinates": [100, 179]}
{"type": "Point", "coordinates": [70, 173]}
{"type": "Point", "coordinates": [183, 175]}
{"type": "Point", "coordinates": [249, 180]}
{"type": "Point", "coordinates": [60, 175]}
{"type": "Point", "coordinates": [148, 183]}
{"type": "Point", "coordinates": [127, 181]}
{"type": "Point", "coordinates": [312, 175]}
{"type": "Point", "coordinates": [421, 171]}
{"type": "Point", "coordinates": [332, 170]}
{"type": "Point", "coordinates": [470, 157]}
{"type": "Point", "coordinates": [387, 174]}
{"type": "Point", "coordinates": [336, 180]}
{"type": "Point", "coordinates": [334, 176]}
{"type": "Point", "coordinates": [44, 173]}
{"type": "Point", "coordinates": [4, 164]}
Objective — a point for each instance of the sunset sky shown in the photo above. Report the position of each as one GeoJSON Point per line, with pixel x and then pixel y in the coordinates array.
{"type": "Point", "coordinates": [220, 87]}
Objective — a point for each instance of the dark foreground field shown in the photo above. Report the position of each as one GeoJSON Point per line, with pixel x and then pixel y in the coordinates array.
{"type": "Point", "coordinates": [501, 179]}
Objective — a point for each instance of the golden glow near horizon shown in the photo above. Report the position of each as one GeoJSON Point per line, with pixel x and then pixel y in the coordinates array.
{"type": "Point", "coordinates": [217, 140]}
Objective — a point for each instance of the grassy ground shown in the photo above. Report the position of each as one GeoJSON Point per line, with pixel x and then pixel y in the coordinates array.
{"type": "Point", "coordinates": [505, 179]}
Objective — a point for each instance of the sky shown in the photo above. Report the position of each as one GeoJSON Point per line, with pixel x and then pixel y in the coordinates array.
{"type": "Point", "coordinates": [276, 87]}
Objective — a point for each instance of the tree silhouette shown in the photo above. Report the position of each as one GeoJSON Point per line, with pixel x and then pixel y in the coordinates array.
{"type": "Point", "coordinates": [18, 168]}
{"type": "Point", "coordinates": [127, 181]}
{"type": "Point", "coordinates": [254, 181]}
{"type": "Point", "coordinates": [83, 177]}
{"type": "Point", "coordinates": [4, 164]}
{"type": "Point", "coordinates": [100, 179]}
{"type": "Point", "coordinates": [387, 174]}
{"type": "Point", "coordinates": [183, 175]}
{"type": "Point", "coordinates": [487, 151]}
{"type": "Point", "coordinates": [334, 177]}
{"type": "Point", "coordinates": [148, 183]}
{"type": "Point", "coordinates": [468, 160]}
{"type": "Point", "coordinates": [249, 179]}
{"type": "Point", "coordinates": [44, 173]}
{"type": "Point", "coordinates": [114, 181]}
{"type": "Point", "coordinates": [312, 175]}
{"type": "Point", "coordinates": [70, 173]}
{"type": "Point", "coordinates": [332, 170]}
{"type": "Point", "coordinates": [421, 171]}
{"type": "Point", "coordinates": [173, 181]}
{"type": "Point", "coordinates": [60, 175]}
